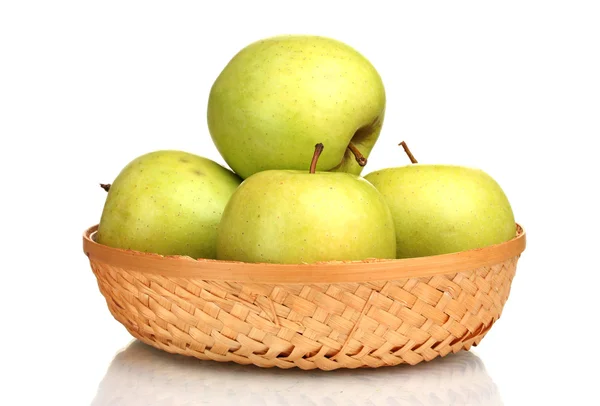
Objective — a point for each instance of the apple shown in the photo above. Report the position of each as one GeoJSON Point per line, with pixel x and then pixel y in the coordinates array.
{"type": "Point", "coordinates": [167, 202]}
{"type": "Point", "coordinates": [280, 96]}
{"type": "Point", "coordinates": [440, 209]}
{"type": "Point", "coordinates": [293, 217]}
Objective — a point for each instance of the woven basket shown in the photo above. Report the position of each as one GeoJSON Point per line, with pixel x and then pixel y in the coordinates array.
{"type": "Point", "coordinates": [328, 316]}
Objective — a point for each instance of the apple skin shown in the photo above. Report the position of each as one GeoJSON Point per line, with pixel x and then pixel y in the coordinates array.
{"type": "Point", "coordinates": [440, 209]}
{"type": "Point", "coordinates": [293, 217]}
{"type": "Point", "coordinates": [169, 203]}
{"type": "Point", "coordinates": [280, 96]}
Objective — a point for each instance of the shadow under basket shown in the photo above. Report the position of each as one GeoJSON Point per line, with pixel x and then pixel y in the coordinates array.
{"type": "Point", "coordinates": [329, 315]}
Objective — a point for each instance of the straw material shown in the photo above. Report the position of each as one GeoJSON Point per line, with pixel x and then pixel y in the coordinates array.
{"type": "Point", "coordinates": [249, 314]}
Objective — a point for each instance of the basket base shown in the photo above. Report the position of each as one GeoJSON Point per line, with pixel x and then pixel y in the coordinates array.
{"type": "Point", "coordinates": [282, 363]}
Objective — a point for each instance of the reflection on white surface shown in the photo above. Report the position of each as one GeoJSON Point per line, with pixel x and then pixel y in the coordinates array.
{"type": "Point", "coordinates": [142, 375]}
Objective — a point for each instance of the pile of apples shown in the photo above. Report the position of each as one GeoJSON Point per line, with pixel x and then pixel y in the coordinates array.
{"type": "Point", "coordinates": [296, 117]}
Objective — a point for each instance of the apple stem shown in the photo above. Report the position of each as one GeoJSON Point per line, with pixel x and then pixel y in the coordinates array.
{"type": "Point", "coordinates": [362, 161]}
{"type": "Point", "coordinates": [410, 155]}
{"type": "Point", "coordinates": [318, 149]}
{"type": "Point", "coordinates": [105, 186]}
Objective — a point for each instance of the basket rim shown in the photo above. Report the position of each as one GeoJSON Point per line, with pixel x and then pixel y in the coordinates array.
{"type": "Point", "coordinates": [177, 266]}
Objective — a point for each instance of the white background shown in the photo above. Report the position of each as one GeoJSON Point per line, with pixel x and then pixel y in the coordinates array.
{"type": "Point", "coordinates": [511, 87]}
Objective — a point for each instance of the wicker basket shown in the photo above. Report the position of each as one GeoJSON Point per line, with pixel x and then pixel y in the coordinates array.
{"type": "Point", "coordinates": [328, 316]}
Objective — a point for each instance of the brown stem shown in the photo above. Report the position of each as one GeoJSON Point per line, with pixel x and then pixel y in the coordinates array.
{"type": "Point", "coordinates": [318, 149]}
{"type": "Point", "coordinates": [362, 161]}
{"type": "Point", "coordinates": [105, 186]}
{"type": "Point", "coordinates": [410, 155]}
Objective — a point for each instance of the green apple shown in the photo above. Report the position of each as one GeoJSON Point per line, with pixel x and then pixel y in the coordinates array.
{"type": "Point", "coordinates": [280, 96]}
{"type": "Point", "coordinates": [440, 209]}
{"type": "Point", "coordinates": [293, 217]}
{"type": "Point", "coordinates": [169, 203]}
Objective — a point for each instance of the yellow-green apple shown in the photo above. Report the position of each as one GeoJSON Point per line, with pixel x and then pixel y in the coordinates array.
{"type": "Point", "coordinates": [293, 217]}
{"type": "Point", "coordinates": [441, 209]}
{"type": "Point", "coordinates": [167, 202]}
{"type": "Point", "coordinates": [280, 96]}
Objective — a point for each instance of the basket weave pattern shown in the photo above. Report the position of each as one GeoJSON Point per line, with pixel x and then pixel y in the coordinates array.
{"type": "Point", "coordinates": [323, 325]}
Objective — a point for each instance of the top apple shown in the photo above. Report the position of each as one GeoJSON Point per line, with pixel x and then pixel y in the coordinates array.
{"type": "Point", "coordinates": [280, 96]}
